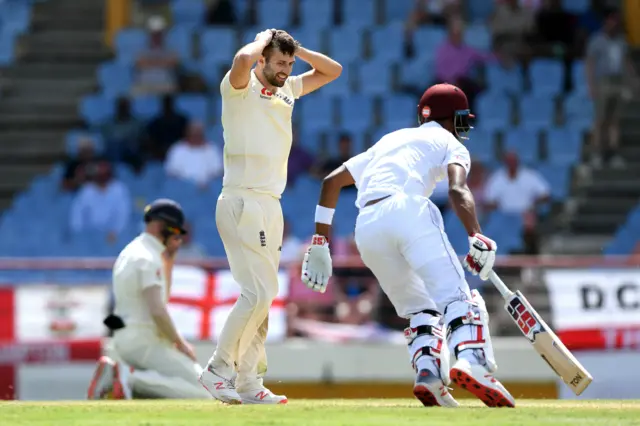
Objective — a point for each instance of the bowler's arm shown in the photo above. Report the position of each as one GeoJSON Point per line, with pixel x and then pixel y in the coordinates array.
{"type": "Point", "coordinates": [330, 192]}
{"type": "Point", "coordinates": [461, 198]}
{"type": "Point", "coordinates": [324, 71]}
{"type": "Point", "coordinates": [244, 59]}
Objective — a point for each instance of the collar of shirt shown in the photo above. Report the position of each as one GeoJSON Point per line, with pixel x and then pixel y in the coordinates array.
{"type": "Point", "coordinates": [430, 124]}
{"type": "Point", "coordinates": [153, 242]}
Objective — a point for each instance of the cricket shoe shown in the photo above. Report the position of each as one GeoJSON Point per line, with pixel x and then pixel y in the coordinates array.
{"type": "Point", "coordinates": [219, 387]}
{"type": "Point", "coordinates": [431, 391]}
{"type": "Point", "coordinates": [476, 379]}
{"type": "Point", "coordinates": [121, 388]}
{"type": "Point", "coordinates": [101, 385]}
{"type": "Point", "coordinates": [262, 396]}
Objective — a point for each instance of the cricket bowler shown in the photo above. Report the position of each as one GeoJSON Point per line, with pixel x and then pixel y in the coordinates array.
{"type": "Point", "coordinates": [153, 360]}
{"type": "Point", "coordinates": [257, 104]}
{"type": "Point", "coordinates": [400, 235]}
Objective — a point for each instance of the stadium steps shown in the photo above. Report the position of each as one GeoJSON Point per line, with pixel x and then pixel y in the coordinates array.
{"type": "Point", "coordinates": [55, 66]}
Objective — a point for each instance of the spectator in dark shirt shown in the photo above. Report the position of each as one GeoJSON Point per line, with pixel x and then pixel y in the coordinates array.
{"type": "Point", "coordinates": [164, 130]}
{"type": "Point", "coordinates": [345, 152]}
{"type": "Point", "coordinates": [75, 173]}
{"type": "Point", "coordinates": [122, 136]}
{"type": "Point", "coordinates": [221, 12]}
{"type": "Point", "coordinates": [300, 161]}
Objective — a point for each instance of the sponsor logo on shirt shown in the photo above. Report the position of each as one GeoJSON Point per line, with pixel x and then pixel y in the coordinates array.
{"type": "Point", "coordinates": [268, 95]}
{"type": "Point", "coordinates": [265, 94]}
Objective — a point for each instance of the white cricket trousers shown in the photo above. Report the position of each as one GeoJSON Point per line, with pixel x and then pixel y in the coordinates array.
{"type": "Point", "coordinates": [251, 227]}
{"type": "Point", "coordinates": [402, 240]}
{"type": "Point", "coordinates": [160, 370]}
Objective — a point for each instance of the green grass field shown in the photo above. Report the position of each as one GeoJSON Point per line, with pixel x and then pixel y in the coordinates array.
{"type": "Point", "coordinates": [387, 412]}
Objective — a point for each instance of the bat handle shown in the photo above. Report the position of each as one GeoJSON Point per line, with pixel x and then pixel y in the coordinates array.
{"type": "Point", "coordinates": [500, 285]}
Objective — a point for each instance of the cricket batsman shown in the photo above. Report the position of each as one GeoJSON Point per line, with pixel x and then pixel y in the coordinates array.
{"type": "Point", "coordinates": [257, 104]}
{"type": "Point", "coordinates": [400, 235]}
{"type": "Point", "coordinates": [153, 359]}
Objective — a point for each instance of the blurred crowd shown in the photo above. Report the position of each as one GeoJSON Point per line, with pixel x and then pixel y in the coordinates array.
{"type": "Point", "coordinates": [521, 30]}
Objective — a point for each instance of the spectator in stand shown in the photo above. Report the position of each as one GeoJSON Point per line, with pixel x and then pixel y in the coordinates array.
{"type": "Point", "coordinates": [511, 25]}
{"type": "Point", "coordinates": [75, 174]}
{"type": "Point", "coordinates": [164, 130]}
{"type": "Point", "coordinates": [457, 63]}
{"type": "Point", "coordinates": [123, 135]}
{"type": "Point", "coordinates": [102, 204]}
{"type": "Point", "coordinates": [221, 12]}
{"type": "Point", "coordinates": [189, 249]}
{"type": "Point", "coordinates": [345, 152]}
{"type": "Point", "coordinates": [194, 159]}
{"type": "Point", "coordinates": [434, 12]}
{"type": "Point", "coordinates": [610, 75]}
{"type": "Point", "coordinates": [157, 66]}
{"type": "Point", "coordinates": [292, 248]}
{"type": "Point", "coordinates": [520, 191]}
{"type": "Point", "coordinates": [300, 161]}
{"type": "Point", "coordinates": [477, 182]}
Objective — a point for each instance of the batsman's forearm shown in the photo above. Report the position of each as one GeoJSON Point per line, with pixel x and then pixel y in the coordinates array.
{"type": "Point", "coordinates": [168, 273]}
{"type": "Point", "coordinates": [165, 324]}
{"type": "Point", "coordinates": [465, 208]}
{"type": "Point", "coordinates": [321, 63]}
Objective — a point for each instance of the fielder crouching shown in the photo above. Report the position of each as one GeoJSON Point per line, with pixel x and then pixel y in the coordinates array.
{"type": "Point", "coordinates": [153, 360]}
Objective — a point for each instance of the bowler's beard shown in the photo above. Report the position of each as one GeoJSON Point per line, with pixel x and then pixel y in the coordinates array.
{"type": "Point", "coordinates": [270, 76]}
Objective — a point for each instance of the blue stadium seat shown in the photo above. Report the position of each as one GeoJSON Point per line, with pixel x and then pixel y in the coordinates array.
{"type": "Point", "coordinates": [310, 38]}
{"type": "Point", "coordinates": [559, 178]}
{"type": "Point", "coordinates": [479, 10]}
{"type": "Point", "coordinates": [374, 77]}
{"type": "Point", "coordinates": [388, 42]}
{"type": "Point", "coordinates": [340, 87]}
{"type": "Point", "coordinates": [458, 236]}
{"type": "Point", "coordinates": [145, 107]}
{"type": "Point", "coordinates": [579, 78]}
{"type": "Point", "coordinates": [493, 111]}
{"type": "Point", "coordinates": [16, 17]}
{"type": "Point", "coordinates": [523, 142]}
{"type": "Point", "coordinates": [129, 43]}
{"type": "Point", "coordinates": [310, 140]}
{"type": "Point", "coordinates": [188, 13]}
{"type": "Point", "coordinates": [218, 44]}
{"type": "Point", "coordinates": [356, 112]}
{"type": "Point", "coordinates": [179, 39]}
{"type": "Point", "coordinates": [576, 7]}
{"type": "Point", "coordinates": [215, 134]}
{"type": "Point", "coordinates": [537, 112]}
{"type": "Point", "coordinates": [578, 109]}
{"type": "Point", "coordinates": [194, 107]}
{"type": "Point", "coordinates": [274, 13]}
{"type": "Point", "coordinates": [7, 49]}
{"type": "Point", "coordinates": [73, 139]}
{"type": "Point", "coordinates": [96, 109]}
{"type": "Point", "coordinates": [354, 15]}
{"type": "Point", "coordinates": [398, 109]}
{"type": "Point", "coordinates": [115, 78]}
{"type": "Point", "coordinates": [478, 37]}
{"type": "Point", "coordinates": [345, 44]}
{"type": "Point", "coordinates": [210, 71]}
{"type": "Point", "coordinates": [315, 14]}
{"type": "Point", "coordinates": [427, 40]}
{"type": "Point", "coordinates": [564, 146]}
{"type": "Point", "coordinates": [506, 230]}
{"type": "Point", "coordinates": [397, 10]}
{"type": "Point", "coordinates": [317, 112]}
{"type": "Point", "coordinates": [501, 80]}
{"type": "Point", "coordinates": [482, 145]}
{"type": "Point", "coordinates": [547, 77]}
{"type": "Point", "coordinates": [333, 137]}
{"type": "Point", "coordinates": [417, 72]}
{"type": "Point", "coordinates": [623, 242]}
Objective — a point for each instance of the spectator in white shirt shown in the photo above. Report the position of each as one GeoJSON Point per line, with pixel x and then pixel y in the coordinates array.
{"type": "Point", "coordinates": [102, 204]}
{"type": "Point", "coordinates": [518, 190]}
{"type": "Point", "coordinates": [194, 158]}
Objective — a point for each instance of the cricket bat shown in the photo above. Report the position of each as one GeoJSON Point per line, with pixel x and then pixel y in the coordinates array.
{"type": "Point", "coordinates": [543, 339]}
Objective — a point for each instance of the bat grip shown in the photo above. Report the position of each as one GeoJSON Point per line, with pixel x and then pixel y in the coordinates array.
{"type": "Point", "coordinates": [499, 284]}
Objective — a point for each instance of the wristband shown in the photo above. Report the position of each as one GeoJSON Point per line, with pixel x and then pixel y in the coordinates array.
{"type": "Point", "coordinates": [324, 215]}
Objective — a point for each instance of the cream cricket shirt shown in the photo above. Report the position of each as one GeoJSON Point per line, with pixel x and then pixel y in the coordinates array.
{"type": "Point", "coordinates": [138, 267]}
{"type": "Point", "coordinates": [257, 134]}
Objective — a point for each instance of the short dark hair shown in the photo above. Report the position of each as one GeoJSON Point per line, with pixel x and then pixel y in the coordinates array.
{"type": "Point", "coordinates": [283, 42]}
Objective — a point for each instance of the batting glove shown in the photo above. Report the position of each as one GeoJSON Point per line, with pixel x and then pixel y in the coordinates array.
{"type": "Point", "coordinates": [481, 257]}
{"type": "Point", "coordinates": [316, 266]}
